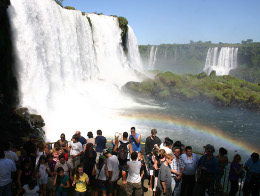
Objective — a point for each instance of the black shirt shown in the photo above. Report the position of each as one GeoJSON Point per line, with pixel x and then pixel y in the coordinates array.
{"type": "Point", "coordinates": [149, 144]}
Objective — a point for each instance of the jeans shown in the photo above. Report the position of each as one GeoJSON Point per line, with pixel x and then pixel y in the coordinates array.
{"type": "Point", "coordinates": [187, 184]}
{"type": "Point", "coordinates": [61, 193]}
{"type": "Point", "coordinates": [6, 190]}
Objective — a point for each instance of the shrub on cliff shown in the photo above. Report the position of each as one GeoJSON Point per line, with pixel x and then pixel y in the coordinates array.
{"type": "Point", "coordinates": [70, 8]}
{"type": "Point", "coordinates": [123, 24]}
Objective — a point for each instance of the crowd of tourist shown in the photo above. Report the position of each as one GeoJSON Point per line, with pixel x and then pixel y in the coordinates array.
{"type": "Point", "coordinates": [82, 166]}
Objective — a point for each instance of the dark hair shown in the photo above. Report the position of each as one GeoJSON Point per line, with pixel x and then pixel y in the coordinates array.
{"type": "Point", "coordinates": [99, 132]}
{"type": "Point", "coordinates": [101, 162]}
{"type": "Point", "coordinates": [177, 144]}
{"type": "Point", "coordinates": [168, 141]}
{"type": "Point", "coordinates": [32, 184]}
{"type": "Point", "coordinates": [77, 172]}
{"type": "Point", "coordinates": [237, 156]}
{"type": "Point", "coordinates": [133, 128]}
{"type": "Point", "coordinates": [176, 148]}
{"type": "Point", "coordinates": [76, 137]}
{"type": "Point", "coordinates": [58, 180]}
{"type": "Point", "coordinates": [62, 134]}
{"type": "Point", "coordinates": [125, 135]}
{"type": "Point", "coordinates": [57, 143]}
{"type": "Point", "coordinates": [90, 134]}
{"type": "Point", "coordinates": [222, 151]}
{"type": "Point", "coordinates": [50, 156]}
{"type": "Point", "coordinates": [42, 157]}
{"type": "Point", "coordinates": [7, 146]}
{"type": "Point", "coordinates": [153, 131]}
{"type": "Point", "coordinates": [2, 154]}
{"type": "Point", "coordinates": [188, 148]}
{"type": "Point", "coordinates": [255, 155]}
{"type": "Point", "coordinates": [61, 156]}
{"type": "Point", "coordinates": [134, 155]}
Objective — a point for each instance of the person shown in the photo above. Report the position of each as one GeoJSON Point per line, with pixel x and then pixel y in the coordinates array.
{"type": "Point", "coordinates": [177, 168]}
{"type": "Point", "coordinates": [29, 149]}
{"type": "Point", "coordinates": [164, 176]}
{"type": "Point", "coordinates": [152, 159]}
{"type": "Point", "coordinates": [158, 160]}
{"type": "Point", "coordinates": [31, 189]}
{"type": "Point", "coordinates": [222, 163]}
{"type": "Point", "coordinates": [7, 166]}
{"type": "Point", "coordinates": [180, 145]}
{"type": "Point", "coordinates": [56, 151]}
{"type": "Point", "coordinates": [167, 146]}
{"type": "Point", "coordinates": [208, 168]}
{"type": "Point", "coordinates": [133, 177]}
{"type": "Point", "coordinates": [25, 174]}
{"type": "Point", "coordinates": [100, 172]}
{"type": "Point", "coordinates": [80, 180]}
{"type": "Point", "coordinates": [90, 138]}
{"type": "Point", "coordinates": [114, 141]}
{"type": "Point", "coordinates": [42, 175]}
{"type": "Point", "coordinates": [41, 149]}
{"type": "Point", "coordinates": [143, 171]}
{"type": "Point", "coordinates": [9, 154]}
{"type": "Point", "coordinates": [151, 142]}
{"type": "Point", "coordinates": [64, 145]}
{"type": "Point", "coordinates": [76, 151]}
{"type": "Point", "coordinates": [190, 163]}
{"type": "Point", "coordinates": [51, 174]}
{"type": "Point", "coordinates": [61, 182]}
{"type": "Point", "coordinates": [113, 172]}
{"type": "Point", "coordinates": [89, 160]}
{"type": "Point", "coordinates": [252, 167]}
{"type": "Point", "coordinates": [135, 140]}
{"type": "Point", "coordinates": [66, 167]}
{"type": "Point", "coordinates": [124, 150]}
{"type": "Point", "coordinates": [82, 140]}
{"type": "Point", "coordinates": [234, 174]}
{"type": "Point", "coordinates": [100, 142]}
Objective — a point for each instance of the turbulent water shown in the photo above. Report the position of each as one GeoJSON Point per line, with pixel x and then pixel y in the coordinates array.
{"type": "Point", "coordinates": [69, 73]}
{"type": "Point", "coordinates": [221, 60]}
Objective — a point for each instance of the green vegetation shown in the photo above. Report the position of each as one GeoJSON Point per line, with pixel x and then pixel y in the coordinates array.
{"type": "Point", "coordinates": [59, 2]}
{"type": "Point", "coordinates": [83, 13]}
{"type": "Point", "coordinates": [89, 20]}
{"type": "Point", "coordinates": [123, 25]}
{"type": "Point", "coordinates": [223, 90]}
{"type": "Point", "coordinates": [70, 8]}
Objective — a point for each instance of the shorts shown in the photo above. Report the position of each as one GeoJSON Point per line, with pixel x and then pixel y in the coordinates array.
{"type": "Point", "coordinates": [102, 185]}
{"type": "Point", "coordinates": [122, 165]}
{"type": "Point", "coordinates": [43, 181]}
{"type": "Point", "coordinates": [50, 183]}
{"type": "Point", "coordinates": [74, 162]}
{"type": "Point", "coordinates": [111, 186]}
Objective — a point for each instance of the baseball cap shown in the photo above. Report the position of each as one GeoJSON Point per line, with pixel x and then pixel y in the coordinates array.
{"type": "Point", "coordinates": [105, 151]}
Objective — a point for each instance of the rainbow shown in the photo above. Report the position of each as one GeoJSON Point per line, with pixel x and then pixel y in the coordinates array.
{"type": "Point", "coordinates": [162, 119]}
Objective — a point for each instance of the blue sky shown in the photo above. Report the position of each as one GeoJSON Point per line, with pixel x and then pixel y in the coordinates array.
{"type": "Point", "coordinates": [179, 21]}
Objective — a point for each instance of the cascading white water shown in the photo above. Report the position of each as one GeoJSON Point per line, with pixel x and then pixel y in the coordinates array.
{"type": "Point", "coordinates": [133, 50]}
{"type": "Point", "coordinates": [67, 74]}
{"type": "Point", "coordinates": [222, 62]}
{"type": "Point", "coordinates": [152, 59]}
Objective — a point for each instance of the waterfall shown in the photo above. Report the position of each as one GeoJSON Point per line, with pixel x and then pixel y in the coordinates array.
{"type": "Point", "coordinates": [66, 73]}
{"type": "Point", "coordinates": [152, 58]}
{"type": "Point", "coordinates": [133, 50]}
{"type": "Point", "coordinates": [222, 61]}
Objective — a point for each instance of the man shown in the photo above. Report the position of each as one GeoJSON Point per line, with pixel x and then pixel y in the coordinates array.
{"type": "Point", "coordinates": [252, 167]}
{"type": "Point", "coordinates": [100, 142]}
{"type": "Point", "coordinates": [76, 151]}
{"type": "Point", "coordinates": [63, 163]}
{"type": "Point", "coordinates": [167, 145]}
{"type": "Point", "coordinates": [164, 176]}
{"type": "Point", "coordinates": [135, 140]}
{"type": "Point", "coordinates": [177, 168]}
{"type": "Point", "coordinates": [82, 140]}
{"type": "Point", "coordinates": [9, 154]}
{"type": "Point", "coordinates": [151, 142]}
{"type": "Point", "coordinates": [113, 171]}
{"type": "Point", "coordinates": [190, 161]}
{"type": "Point", "coordinates": [208, 165]}
{"type": "Point", "coordinates": [123, 149]}
{"type": "Point", "coordinates": [7, 166]}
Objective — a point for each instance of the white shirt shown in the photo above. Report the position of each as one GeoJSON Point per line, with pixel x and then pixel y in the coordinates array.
{"type": "Point", "coordinates": [43, 171]}
{"type": "Point", "coordinates": [102, 175]}
{"type": "Point", "coordinates": [31, 192]}
{"type": "Point", "coordinates": [76, 148]}
{"type": "Point", "coordinates": [112, 165]}
{"type": "Point", "coordinates": [7, 166]}
{"type": "Point", "coordinates": [167, 150]}
{"type": "Point", "coordinates": [134, 171]}
{"type": "Point", "coordinates": [11, 155]}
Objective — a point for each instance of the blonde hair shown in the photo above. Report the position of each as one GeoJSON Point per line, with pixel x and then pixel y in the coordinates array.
{"type": "Point", "coordinates": [162, 152]}
{"type": "Point", "coordinates": [169, 156]}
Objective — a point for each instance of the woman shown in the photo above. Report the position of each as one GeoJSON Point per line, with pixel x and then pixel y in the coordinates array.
{"type": "Point", "coordinates": [57, 151]}
{"type": "Point", "coordinates": [91, 139]}
{"type": "Point", "coordinates": [234, 174]}
{"type": "Point", "coordinates": [64, 145]}
{"type": "Point", "coordinates": [89, 160]}
{"type": "Point", "coordinates": [25, 174]}
{"type": "Point", "coordinates": [222, 163]}
{"type": "Point", "coordinates": [101, 172]}
{"type": "Point", "coordinates": [41, 150]}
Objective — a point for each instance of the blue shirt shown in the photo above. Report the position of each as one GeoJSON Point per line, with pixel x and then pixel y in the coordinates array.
{"type": "Point", "coordinates": [101, 143]}
{"type": "Point", "coordinates": [253, 167]}
{"type": "Point", "coordinates": [190, 165]}
{"type": "Point", "coordinates": [82, 140]}
{"type": "Point", "coordinates": [136, 147]}
{"type": "Point", "coordinates": [211, 164]}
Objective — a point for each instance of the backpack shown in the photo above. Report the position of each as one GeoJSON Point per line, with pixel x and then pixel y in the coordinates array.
{"type": "Point", "coordinates": [122, 151]}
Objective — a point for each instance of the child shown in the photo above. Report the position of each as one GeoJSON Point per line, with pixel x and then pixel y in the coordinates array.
{"type": "Point", "coordinates": [62, 182]}
{"type": "Point", "coordinates": [50, 170]}
{"type": "Point", "coordinates": [31, 189]}
{"type": "Point", "coordinates": [234, 174]}
{"type": "Point", "coordinates": [42, 174]}
{"type": "Point", "coordinates": [143, 172]}
{"type": "Point", "coordinates": [80, 179]}
{"type": "Point", "coordinates": [152, 169]}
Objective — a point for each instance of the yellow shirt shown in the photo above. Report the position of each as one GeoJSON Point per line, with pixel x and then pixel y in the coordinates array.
{"type": "Point", "coordinates": [81, 185]}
